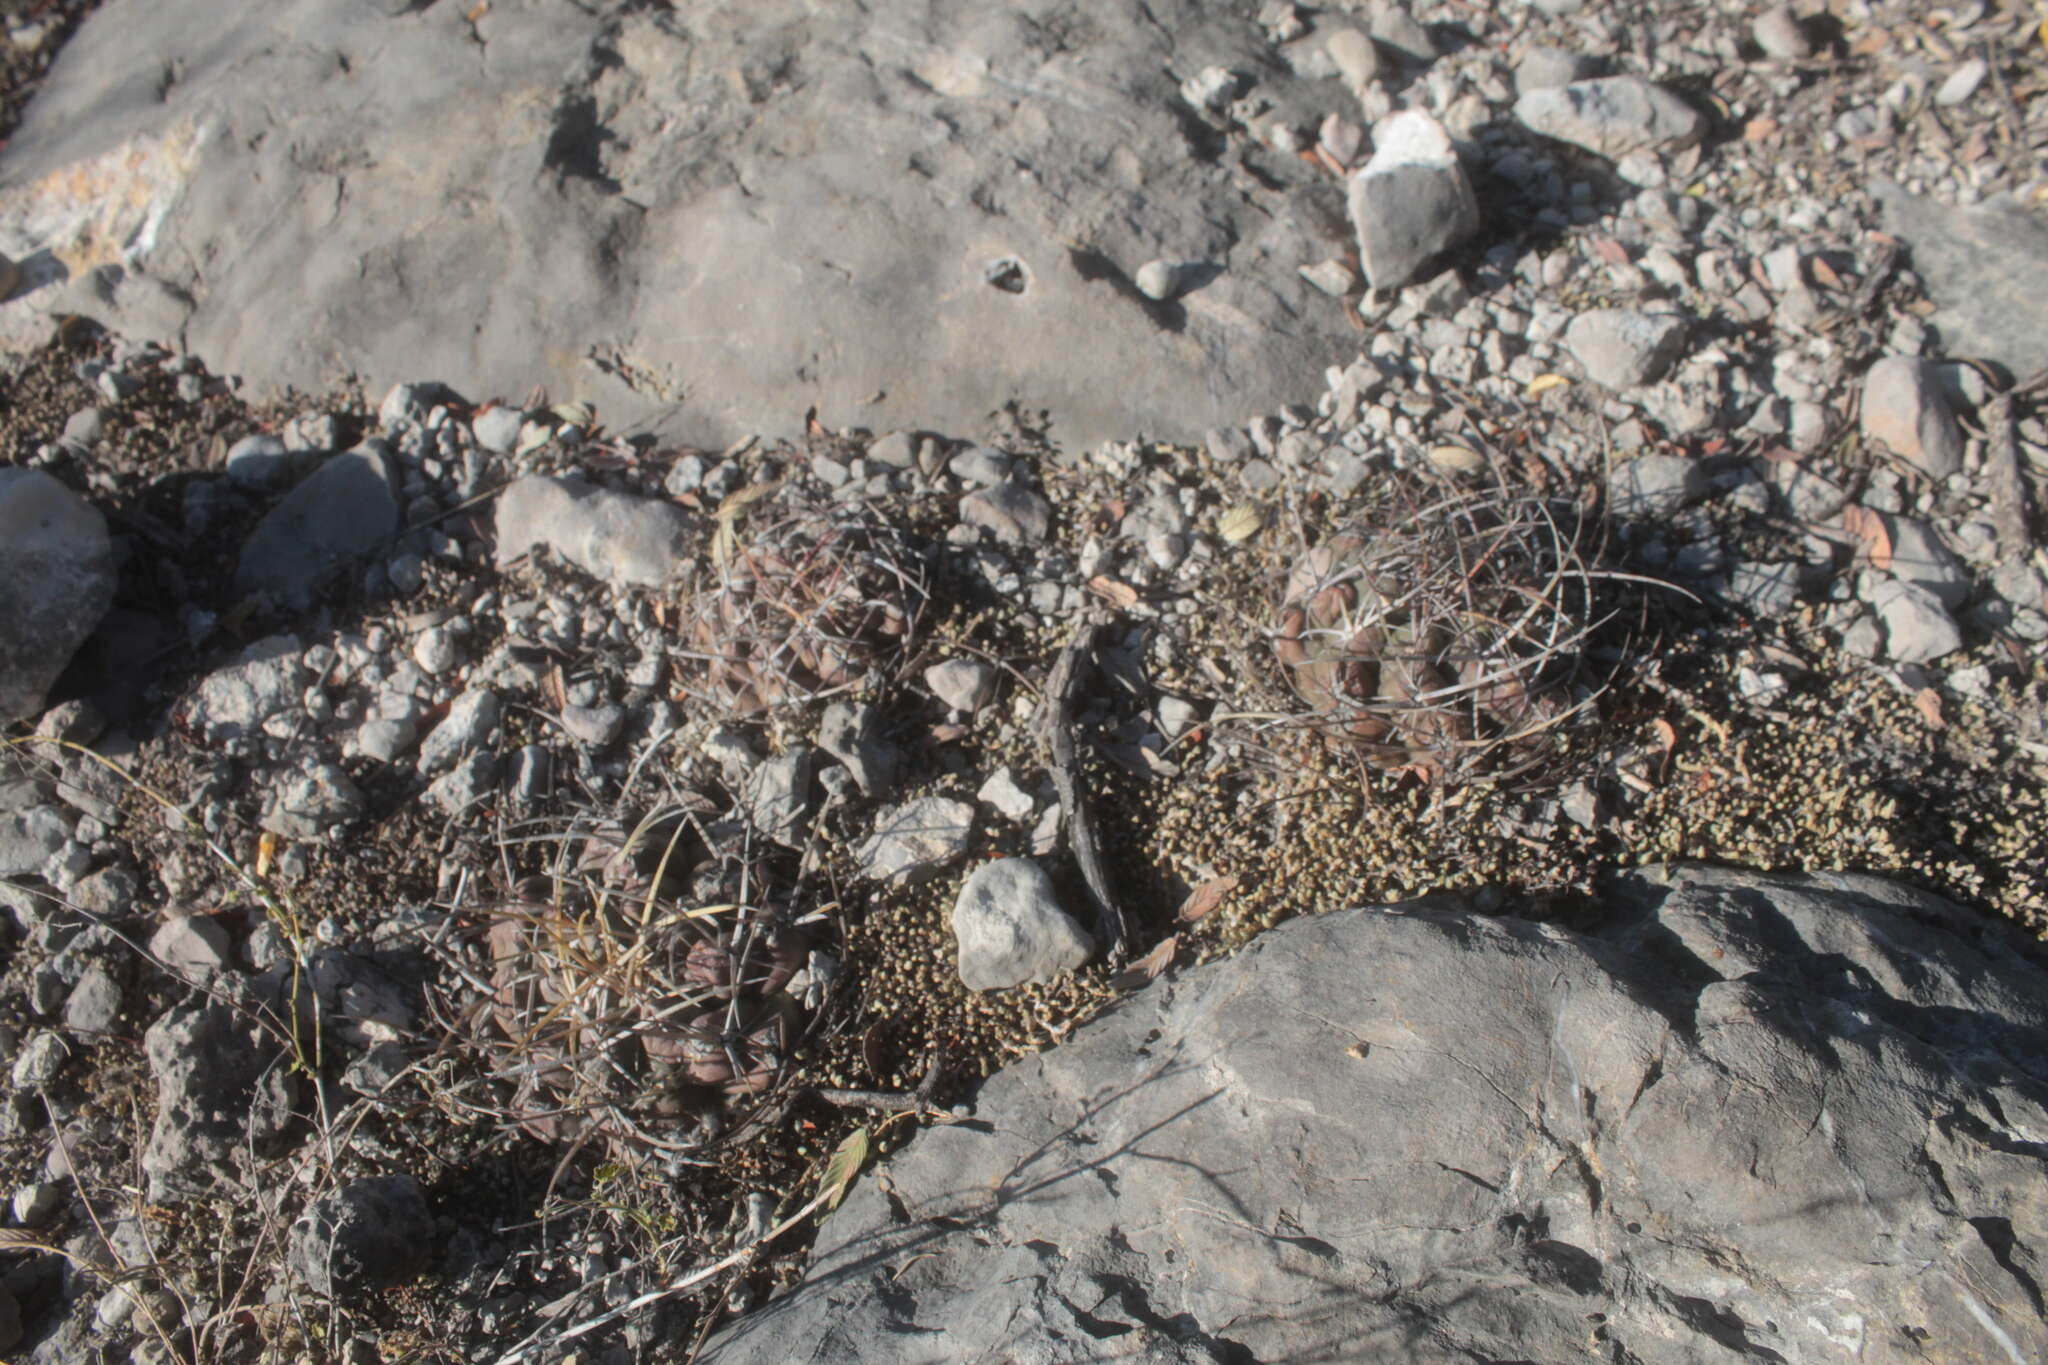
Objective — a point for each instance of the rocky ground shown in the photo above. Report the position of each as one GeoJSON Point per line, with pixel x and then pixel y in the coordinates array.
{"type": "Point", "coordinates": [469, 867]}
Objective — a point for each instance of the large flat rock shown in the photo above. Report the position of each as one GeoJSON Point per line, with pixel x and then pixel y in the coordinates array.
{"type": "Point", "coordinates": [711, 216]}
{"type": "Point", "coordinates": [1754, 1117]}
{"type": "Point", "coordinates": [1986, 268]}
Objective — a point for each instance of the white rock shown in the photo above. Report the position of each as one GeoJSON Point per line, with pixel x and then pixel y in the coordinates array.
{"type": "Point", "coordinates": [1654, 486]}
{"type": "Point", "coordinates": [1002, 792]}
{"type": "Point", "coordinates": [1613, 116]}
{"type": "Point", "coordinates": [1962, 83]}
{"type": "Point", "coordinates": [962, 684]}
{"type": "Point", "coordinates": [1356, 59]}
{"type": "Point", "coordinates": [1622, 348]}
{"type": "Point", "coordinates": [193, 946]}
{"type": "Point", "coordinates": [911, 842]}
{"type": "Point", "coordinates": [1917, 628]}
{"type": "Point", "coordinates": [1780, 34]}
{"type": "Point", "coordinates": [1918, 556]}
{"type": "Point", "coordinates": [1411, 202]}
{"type": "Point", "coordinates": [1010, 929]}
{"type": "Point", "coordinates": [1160, 280]}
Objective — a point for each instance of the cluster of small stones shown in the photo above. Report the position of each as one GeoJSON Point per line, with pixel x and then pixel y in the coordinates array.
{"type": "Point", "coordinates": [1673, 327]}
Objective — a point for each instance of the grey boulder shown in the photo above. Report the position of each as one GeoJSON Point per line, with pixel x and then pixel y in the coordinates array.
{"type": "Point", "coordinates": [684, 213]}
{"type": "Point", "coordinates": [623, 540]}
{"type": "Point", "coordinates": [224, 1096]}
{"type": "Point", "coordinates": [339, 515]}
{"type": "Point", "coordinates": [369, 1234]}
{"type": "Point", "coordinates": [56, 582]}
{"type": "Point", "coordinates": [1985, 267]}
{"type": "Point", "coordinates": [1613, 116]}
{"type": "Point", "coordinates": [1009, 928]}
{"type": "Point", "coordinates": [1411, 202]}
{"type": "Point", "coordinates": [1759, 1117]}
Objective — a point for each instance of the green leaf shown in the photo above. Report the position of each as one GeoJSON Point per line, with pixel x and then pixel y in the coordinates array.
{"type": "Point", "coordinates": [606, 1173]}
{"type": "Point", "coordinates": [843, 1167]}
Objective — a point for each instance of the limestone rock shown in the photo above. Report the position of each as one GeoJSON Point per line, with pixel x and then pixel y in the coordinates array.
{"type": "Point", "coordinates": [1430, 1134]}
{"type": "Point", "coordinates": [1917, 628]}
{"type": "Point", "coordinates": [368, 1234]}
{"type": "Point", "coordinates": [1411, 202]}
{"type": "Point", "coordinates": [677, 204]}
{"type": "Point", "coordinates": [1904, 407]}
{"type": "Point", "coordinates": [1010, 928]}
{"type": "Point", "coordinates": [1654, 486]}
{"type": "Point", "coordinates": [1614, 116]}
{"type": "Point", "coordinates": [340, 514]}
{"type": "Point", "coordinates": [223, 1094]}
{"type": "Point", "coordinates": [626, 541]}
{"type": "Point", "coordinates": [913, 841]}
{"type": "Point", "coordinates": [56, 582]}
{"type": "Point", "coordinates": [1623, 348]}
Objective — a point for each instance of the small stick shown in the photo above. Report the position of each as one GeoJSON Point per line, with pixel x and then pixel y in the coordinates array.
{"type": "Point", "coordinates": [1062, 690]}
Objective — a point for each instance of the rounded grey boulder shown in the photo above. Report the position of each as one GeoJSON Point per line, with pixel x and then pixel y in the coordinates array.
{"type": "Point", "coordinates": [1011, 930]}
{"type": "Point", "coordinates": [369, 1234]}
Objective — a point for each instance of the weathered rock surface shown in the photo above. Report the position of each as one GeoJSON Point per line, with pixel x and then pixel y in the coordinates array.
{"type": "Point", "coordinates": [342, 512]}
{"type": "Point", "coordinates": [1903, 407]}
{"type": "Point", "coordinates": [368, 1234]}
{"type": "Point", "coordinates": [224, 1094]}
{"type": "Point", "coordinates": [1411, 203]}
{"type": "Point", "coordinates": [1614, 115]}
{"type": "Point", "coordinates": [1010, 928]}
{"type": "Point", "coordinates": [700, 205]}
{"type": "Point", "coordinates": [56, 582]}
{"type": "Point", "coordinates": [1757, 1117]}
{"type": "Point", "coordinates": [625, 541]}
{"type": "Point", "coordinates": [913, 841]}
{"type": "Point", "coordinates": [1987, 269]}
{"type": "Point", "coordinates": [1623, 348]}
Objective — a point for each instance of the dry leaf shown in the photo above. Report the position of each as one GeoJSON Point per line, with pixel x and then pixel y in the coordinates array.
{"type": "Point", "coordinates": [1868, 527]}
{"type": "Point", "coordinates": [555, 687]}
{"type": "Point", "coordinates": [1667, 736]}
{"type": "Point", "coordinates": [1544, 383]}
{"type": "Point", "coordinates": [1610, 251]}
{"type": "Point", "coordinates": [1456, 459]}
{"type": "Point", "coordinates": [575, 414]}
{"type": "Point", "coordinates": [1149, 967]}
{"type": "Point", "coordinates": [1203, 900]}
{"type": "Point", "coordinates": [1929, 702]}
{"type": "Point", "coordinates": [1871, 43]}
{"type": "Point", "coordinates": [1110, 590]}
{"type": "Point", "coordinates": [847, 1159]}
{"type": "Point", "coordinates": [266, 853]}
{"type": "Point", "coordinates": [1825, 273]}
{"type": "Point", "coordinates": [1759, 130]}
{"type": "Point", "coordinates": [1241, 522]}
{"type": "Point", "coordinates": [478, 10]}
{"type": "Point", "coordinates": [946, 734]}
